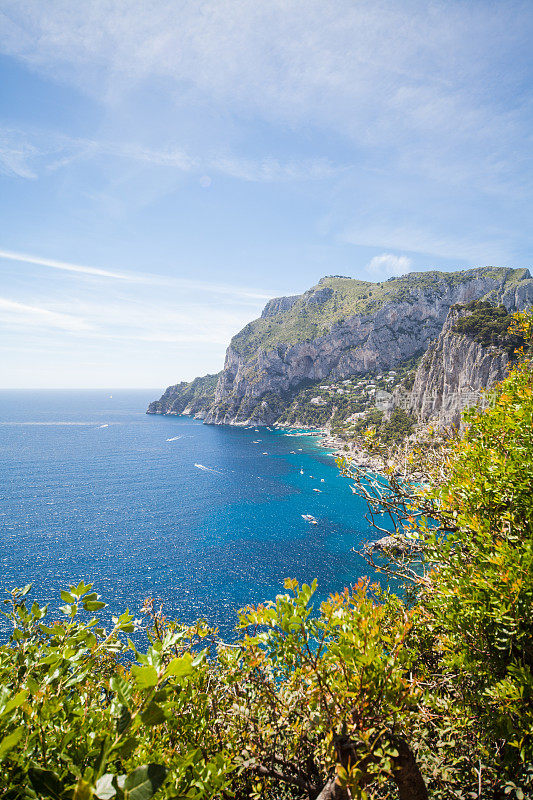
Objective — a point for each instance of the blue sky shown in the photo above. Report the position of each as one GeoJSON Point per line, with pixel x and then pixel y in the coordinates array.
{"type": "Point", "coordinates": [166, 167]}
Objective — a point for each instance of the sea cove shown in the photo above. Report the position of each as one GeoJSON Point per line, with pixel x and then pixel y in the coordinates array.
{"type": "Point", "coordinates": [206, 518]}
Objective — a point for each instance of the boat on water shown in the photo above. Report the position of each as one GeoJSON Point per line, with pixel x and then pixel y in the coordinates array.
{"type": "Point", "coordinates": [317, 490]}
{"type": "Point", "coordinates": [310, 519]}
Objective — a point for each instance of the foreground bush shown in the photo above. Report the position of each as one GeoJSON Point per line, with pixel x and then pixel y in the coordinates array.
{"type": "Point", "coordinates": [368, 696]}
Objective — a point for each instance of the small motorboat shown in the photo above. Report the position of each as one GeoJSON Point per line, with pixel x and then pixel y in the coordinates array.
{"type": "Point", "coordinates": [310, 519]}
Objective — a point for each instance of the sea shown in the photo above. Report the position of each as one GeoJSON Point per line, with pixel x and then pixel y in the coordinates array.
{"type": "Point", "coordinates": [204, 519]}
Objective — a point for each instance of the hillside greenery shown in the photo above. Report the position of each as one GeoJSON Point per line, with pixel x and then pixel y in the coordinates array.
{"type": "Point", "coordinates": [489, 325]}
{"type": "Point", "coordinates": [333, 402]}
{"type": "Point", "coordinates": [198, 393]}
{"type": "Point", "coordinates": [336, 298]}
{"type": "Point", "coordinates": [372, 694]}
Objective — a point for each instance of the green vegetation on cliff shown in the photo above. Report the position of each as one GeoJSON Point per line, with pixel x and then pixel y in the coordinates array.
{"type": "Point", "coordinates": [489, 325]}
{"type": "Point", "coordinates": [198, 395]}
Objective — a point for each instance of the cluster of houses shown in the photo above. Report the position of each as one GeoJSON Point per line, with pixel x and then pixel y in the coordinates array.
{"type": "Point", "coordinates": [361, 389]}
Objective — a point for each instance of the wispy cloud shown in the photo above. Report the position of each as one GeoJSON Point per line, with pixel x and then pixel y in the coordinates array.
{"type": "Point", "coordinates": [68, 267]}
{"type": "Point", "coordinates": [427, 93]}
{"type": "Point", "coordinates": [476, 250]}
{"type": "Point", "coordinates": [388, 264]}
{"type": "Point", "coordinates": [26, 153]}
{"type": "Point", "coordinates": [382, 73]}
{"type": "Point", "coordinates": [21, 314]}
{"type": "Point", "coordinates": [138, 278]}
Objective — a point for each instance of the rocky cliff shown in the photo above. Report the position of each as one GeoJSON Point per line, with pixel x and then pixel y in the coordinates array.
{"type": "Point", "coordinates": [453, 375]}
{"type": "Point", "coordinates": [340, 328]}
{"type": "Point", "coordinates": [194, 398]}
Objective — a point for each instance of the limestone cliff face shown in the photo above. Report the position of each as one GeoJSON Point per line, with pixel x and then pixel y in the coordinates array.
{"type": "Point", "coordinates": [279, 304]}
{"type": "Point", "coordinates": [339, 328]}
{"type": "Point", "coordinates": [452, 376]}
{"type": "Point", "coordinates": [253, 385]}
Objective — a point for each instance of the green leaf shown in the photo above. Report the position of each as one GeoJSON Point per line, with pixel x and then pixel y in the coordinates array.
{"type": "Point", "coordinates": [179, 667]}
{"type": "Point", "coordinates": [143, 782]}
{"type": "Point", "coordinates": [9, 742]}
{"type": "Point", "coordinates": [67, 597]}
{"type": "Point", "coordinates": [45, 782]}
{"type": "Point", "coordinates": [81, 588]}
{"type": "Point", "coordinates": [127, 748]}
{"type": "Point", "coordinates": [93, 605]}
{"type": "Point", "coordinates": [15, 702]}
{"type": "Point", "coordinates": [145, 677]}
{"type": "Point", "coordinates": [153, 714]}
{"type": "Point", "coordinates": [123, 720]}
{"type": "Point", "coordinates": [104, 789]}
{"type": "Point", "coordinates": [121, 686]}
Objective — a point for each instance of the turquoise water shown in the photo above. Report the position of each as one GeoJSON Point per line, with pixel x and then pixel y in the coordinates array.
{"type": "Point", "coordinates": [127, 509]}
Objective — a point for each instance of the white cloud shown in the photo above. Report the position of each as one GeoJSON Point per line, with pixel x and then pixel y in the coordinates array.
{"type": "Point", "coordinates": [31, 153]}
{"type": "Point", "coordinates": [377, 71]}
{"type": "Point", "coordinates": [17, 155]}
{"type": "Point", "coordinates": [67, 267]}
{"type": "Point", "coordinates": [388, 264]}
{"type": "Point", "coordinates": [21, 314]}
{"type": "Point", "coordinates": [137, 278]}
{"type": "Point", "coordinates": [424, 93]}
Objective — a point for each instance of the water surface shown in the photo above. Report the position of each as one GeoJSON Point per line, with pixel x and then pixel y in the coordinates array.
{"type": "Point", "coordinates": [94, 488]}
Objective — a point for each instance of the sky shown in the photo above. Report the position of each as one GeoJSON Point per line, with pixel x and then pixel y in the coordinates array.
{"type": "Point", "coordinates": [167, 166]}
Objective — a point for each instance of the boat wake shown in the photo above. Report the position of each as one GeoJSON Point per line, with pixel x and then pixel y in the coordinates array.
{"type": "Point", "coordinates": [174, 438]}
{"type": "Point", "coordinates": [207, 469]}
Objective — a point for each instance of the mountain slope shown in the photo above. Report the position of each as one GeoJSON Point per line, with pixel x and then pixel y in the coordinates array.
{"type": "Point", "coordinates": [339, 328]}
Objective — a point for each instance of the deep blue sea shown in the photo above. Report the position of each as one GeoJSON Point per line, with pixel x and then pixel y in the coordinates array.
{"type": "Point", "coordinates": [93, 488]}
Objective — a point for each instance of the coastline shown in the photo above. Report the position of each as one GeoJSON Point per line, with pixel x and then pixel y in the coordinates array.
{"type": "Point", "coordinates": [337, 447]}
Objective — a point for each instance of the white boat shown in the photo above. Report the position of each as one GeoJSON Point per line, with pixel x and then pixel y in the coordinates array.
{"type": "Point", "coordinates": [301, 472]}
{"type": "Point", "coordinates": [317, 490]}
{"type": "Point", "coordinates": [310, 519]}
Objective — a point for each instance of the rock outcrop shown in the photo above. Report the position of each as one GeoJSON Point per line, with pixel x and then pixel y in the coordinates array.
{"type": "Point", "coordinates": [194, 398]}
{"type": "Point", "coordinates": [279, 304]}
{"type": "Point", "coordinates": [340, 328]}
{"type": "Point", "coordinates": [454, 374]}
